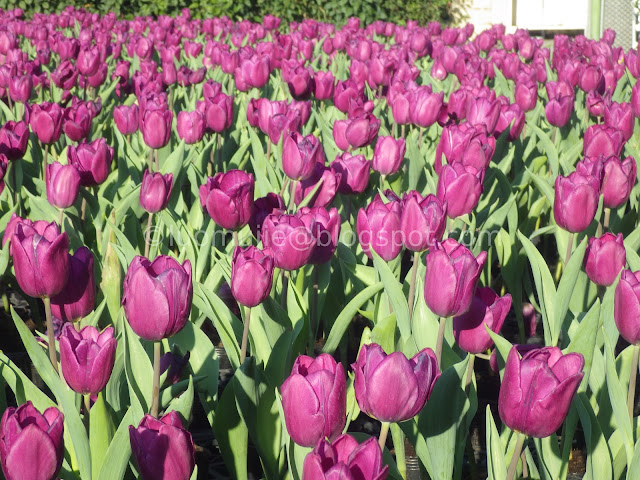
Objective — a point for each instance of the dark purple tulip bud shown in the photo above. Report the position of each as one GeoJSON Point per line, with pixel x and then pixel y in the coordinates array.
{"type": "Point", "coordinates": [345, 459]}
{"type": "Point", "coordinates": [576, 201]}
{"type": "Point", "coordinates": [618, 179]}
{"type": "Point", "coordinates": [31, 443]}
{"type": "Point", "coordinates": [451, 278]}
{"type": "Point", "coordinates": [484, 112]}
{"type": "Point", "coordinates": [40, 258]}
{"type": "Point", "coordinates": [8, 41]}
{"type": "Point", "coordinates": [251, 275]}
{"type": "Point", "coordinates": [388, 155]}
{"type": "Point", "coordinates": [401, 107]}
{"type": "Point", "coordinates": [88, 61]}
{"type": "Point", "coordinates": [63, 184]}
{"type": "Point", "coordinates": [344, 92]}
{"type": "Point", "coordinates": [300, 155]}
{"type": "Point", "coordinates": [537, 389]}
{"type": "Point", "coordinates": [323, 84]}
{"type": "Point", "coordinates": [426, 109]}
{"type": "Point", "coordinates": [354, 173]}
{"type": "Point", "coordinates": [97, 79]}
{"type": "Point", "coordinates": [46, 121]}
{"type": "Point", "coordinates": [155, 191]}
{"type": "Point", "coordinates": [526, 95]}
{"type": "Point", "coordinates": [126, 118]}
{"type": "Point", "coordinates": [156, 127]}
{"type": "Point", "coordinates": [561, 102]}
{"type": "Point", "coordinates": [392, 388]}
{"type": "Point", "coordinates": [488, 309]}
{"type": "Point", "coordinates": [423, 221]}
{"type": "Point", "coordinates": [460, 186]}
{"type": "Point", "coordinates": [378, 227]}
{"type": "Point", "coordinates": [324, 195]}
{"type": "Point", "coordinates": [77, 298]}
{"type": "Point", "coordinates": [263, 207]}
{"type": "Point", "coordinates": [20, 88]}
{"type": "Point", "coordinates": [604, 258]}
{"type": "Point", "coordinates": [87, 357]}
{"type": "Point", "coordinates": [603, 140]}
{"type": "Point", "coordinates": [512, 118]}
{"type": "Point", "coordinates": [300, 82]}
{"type": "Point", "coordinates": [314, 399]}
{"type": "Point", "coordinates": [626, 311]}
{"type": "Point", "coordinates": [77, 123]}
{"type": "Point", "coordinates": [191, 126]}
{"type": "Point", "coordinates": [157, 296]}
{"type": "Point", "coordinates": [174, 365]}
{"type": "Point", "coordinates": [228, 198]}
{"type": "Point", "coordinates": [92, 160]}
{"type": "Point", "coordinates": [281, 124]}
{"type": "Point", "coordinates": [220, 112]}
{"type": "Point", "coordinates": [211, 89]}
{"type": "Point", "coordinates": [620, 116]}
{"type": "Point", "coordinates": [324, 225]}
{"type": "Point", "coordinates": [465, 144]}
{"type": "Point", "coordinates": [162, 448]}
{"type": "Point", "coordinates": [14, 138]}
{"type": "Point", "coordinates": [252, 72]}
{"type": "Point", "coordinates": [590, 77]}
{"type": "Point", "coordinates": [289, 239]}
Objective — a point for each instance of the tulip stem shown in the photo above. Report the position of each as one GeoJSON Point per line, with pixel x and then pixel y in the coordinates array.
{"type": "Point", "coordinates": [472, 361]}
{"type": "Point", "coordinates": [155, 402]}
{"type": "Point", "coordinates": [569, 250]}
{"type": "Point", "coordinates": [155, 151]}
{"type": "Point", "coordinates": [294, 185]}
{"type": "Point", "coordinates": [631, 396]}
{"type": "Point", "coordinates": [61, 218]}
{"type": "Point", "coordinates": [420, 138]}
{"type": "Point", "coordinates": [607, 217]}
{"type": "Point", "coordinates": [10, 102]}
{"type": "Point", "coordinates": [147, 240]}
{"type": "Point", "coordinates": [245, 336]}
{"type": "Point", "coordinates": [285, 184]}
{"type": "Point", "coordinates": [87, 408]}
{"type": "Point", "coordinates": [384, 431]}
{"type": "Point", "coordinates": [511, 473]}
{"type": "Point", "coordinates": [50, 336]}
{"type": "Point", "coordinates": [268, 150]}
{"type": "Point", "coordinates": [402, 130]}
{"type": "Point", "coordinates": [44, 163]}
{"type": "Point", "coordinates": [412, 285]}
{"type": "Point", "coordinates": [397, 437]}
{"type": "Point", "coordinates": [236, 242]}
{"type": "Point", "coordinates": [285, 288]}
{"type": "Point", "coordinates": [440, 340]}
{"type": "Point", "coordinates": [14, 175]}
{"type": "Point", "coordinates": [383, 178]}
{"type": "Point", "coordinates": [313, 327]}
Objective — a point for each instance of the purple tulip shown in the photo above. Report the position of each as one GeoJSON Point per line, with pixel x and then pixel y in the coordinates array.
{"type": "Point", "coordinates": [228, 198]}
{"type": "Point", "coordinates": [561, 102]}
{"type": "Point", "coordinates": [63, 184]}
{"type": "Point", "coordinates": [512, 118]}
{"type": "Point", "coordinates": [388, 155]}
{"type": "Point", "coordinates": [46, 121]}
{"type": "Point", "coordinates": [252, 72]}
{"type": "Point", "coordinates": [93, 161]}
{"type": "Point", "coordinates": [537, 389]}
{"type": "Point", "coordinates": [423, 221]}
{"type": "Point", "coordinates": [300, 81]}
{"type": "Point", "coordinates": [618, 179]}
{"type": "Point", "coordinates": [174, 365]}
{"type": "Point", "coordinates": [251, 275]}
{"type": "Point", "coordinates": [156, 127]}
{"type": "Point", "coordinates": [77, 298]}
{"type": "Point", "coordinates": [324, 225]}
{"type": "Point", "coordinates": [314, 399]}
{"type": "Point", "coordinates": [626, 312]}
{"type": "Point", "coordinates": [289, 239]}
{"type": "Point", "coordinates": [323, 85]}
{"type": "Point", "coordinates": [88, 61]}
{"type": "Point", "coordinates": [526, 95]}
{"type": "Point", "coordinates": [576, 201]}
{"type": "Point", "coordinates": [191, 126]}
{"type": "Point", "coordinates": [155, 191]}
{"type": "Point", "coordinates": [603, 140]}
{"type": "Point", "coordinates": [465, 144]}
{"type": "Point", "coordinates": [77, 122]}
{"type": "Point", "coordinates": [324, 195]}
{"type": "Point", "coordinates": [451, 278]}
{"type": "Point", "coordinates": [378, 227]}
{"type": "Point", "coordinates": [263, 207]}
{"type": "Point", "coordinates": [621, 117]}
{"type": "Point", "coordinates": [65, 75]}
{"type": "Point", "coordinates": [344, 92]}
{"type": "Point", "coordinates": [126, 118]}
{"type": "Point", "coordinates": [392, 388]}
{"type": "Point", "coordinates": [40, 258]}
{"type": "Point", "coordinates": [31, 443]}
{"type": "Point", "coordinates": [14, 138]}
{"type": "Point", "coordinates": [345, 459]}
{"type": "Point", "coordinates": [460, 187]}
{"type": "Point", "coordinates": [20, 88]}
{"type": "Point", "coordinates": [300, 155]}
{"type": "Point", "coordinates": [426, 109]}
{"type": "Point", "coordinates": [487, 309]}
{"type": "Point", "coordinates": [87, 357]}
{"type": "Point", "coordinates": [219, 112]}
{"type": "Point", "coordinates": [484, 113]}
{"type": "Point", "coordinates": [604, 258]}
{"type": "Point", "coordinates": [162, 448]}
{"type": "Point", "coordinates": [157, 296]}
{"type": "Point", "coordinates": [354, 171]}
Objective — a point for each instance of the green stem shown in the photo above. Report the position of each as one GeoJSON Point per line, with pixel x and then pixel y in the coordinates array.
{"type": "Point", "coordinates": [44, 163]}
{"type": "Point", "coordinates": [87, 408]}
{"type": "Point", "coordinates": [384, 431]}
{"type": "Point", "coordinates": [467, 384]}
{"type": "Point", "coordinates": [511, 473]}
{"type": "Point", "coordinates": [397, 435]}
{"type": "Point", "coordinates": [313, 327]}
{"type": "Point", "coordinates": [245, 336]}
{"type": "Point", "coordinates": [294, 185]}
{"type": "Point", "coordinates": [440, 341]}
{"type": "Point", "coordinates": [285, 288]}
{"type": "Point", "coordinates": [147, 240]}
{"type": "Point", "coordinates": [412, 285]}
{"type": "Point", "coordinates": [631, 395]}
{"type": "Point", "coordinates": [569, 250]}
{"type": "Point", "coordinates": [155, 402]}
{"type": "Point", "coordinates": [607, 218]}
{"type": "Point", "coordinates": [155, 151]}
{"type": "Point", "coordinates": [50, 336]}
{"type": "Point", "coordinates": [61, 218]}
{"type": "Point", "coordinates": [236, 242]}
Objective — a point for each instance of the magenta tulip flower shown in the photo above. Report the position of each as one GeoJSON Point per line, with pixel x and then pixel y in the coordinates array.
{"type": "Point", "coordinates": [604, 258]}
{"type": "Point", "coordinates": [388, 155]}
{"type": "Point", "coordinates": [576, 201]}
{"type": "Point", "coordinates": [14, 138]}
{"type": "Point", "coordinates": [78, 297]}
{"type": "Point", "coordinates": [228, 198]}
{"type": "Point", "coordinates": [156, 127]}
{"type": "Point", "coordinates": [626, 312]}
{"type": "Point", "coordinates": [423, 220]}
{"type": "Point", "coordinates": [354, 173]}
{"type": "Point", "coordinates": [251, 275]}
{"type": "Point", "coordinates": [63, 184]}
{"type": "Point", "coordinates": [325, 193]}
{"type": "Point", "coordinates": [155, 191]}
{"type": "Point", "coordinates": [324, 225]}
{"type": "Point", "coordinates": [46, 121]}
{"type": "Point", "coordinates": [92, 160]}
{"type": "Point", "coordinates": [126, 118]}
{"type": "Point", "coordinates": [300, 155]}
{"type": "Point", "coordinates": [618, 179]}
{"type": "Point", "coordinates": [378, 227]}
{"type": "Point", "coordinates": [191, 126]}
{"type": "Point", "coordinates": [289, 239]}
{"type": "Point", "coordinates": [460, 186]}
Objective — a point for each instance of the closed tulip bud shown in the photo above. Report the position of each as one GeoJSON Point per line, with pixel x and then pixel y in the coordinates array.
{"type": "Point", "coordinates": [626, 311]}
{"type": "Point", "coordinates": [324, 195]}
{"type": "Point", "coordinates": [402, 106]}
{"type": "Point", "coordinates": [63, 184]}
{"type": "Point", "coordinates": [78, 298]}
{"type": "Point", "coordinates": [220, 113]}
{"type": "Point", "coordinates": [88, 61]}
{"type": "Point", "coordinates": [252, 72]}
{"type": "Point", "coordinates": [465, 144]}
{"type": "Point", "coordinates": [323, 85]}
{"type": "Point", "coordinates": [46, 121]}
{"type": "Point", "coordinates": [354, 173]}
{"type": "Point", "coordinates": [289, 239]}
{"type": "Point", "coordinates": [251, 275]}
{"type": "Point", "coordinates": [156, 127]}
{"type": "Point", "coordinates": [97, 79]}
{"type": "Point", "coordinates": [14, 138]}
{"type": "Point", "coordinates": [344, 92]}
{"type": "Point", "coordinates": [300, 82]}
{"type": "Point", "coordinates": [590, 77]}
{"type": "Point", "coordinates": [360, 131]}
{"type": "Point", "coordinates": [487, 309]}
{"type": "Point", "coordinates": [191, 126]}
{"type": "Point", "coordinates": [155, 191]}
{"type": "Point", "coordinates": [87, 357]}
{"type": "Point", "coordinates": [262, 208]}
{"type": "Point", "coordinates": [620, 116]}
{"type": "Point", "coordinates": [378, 227]}
{"type": "Point", "coordinates": [65, 75]}
{"type": "Point", "coordinates": [460, 186]}
{"type": "Point", "coordinates": [228, 198]}
{"type": "Point", "coordinates": [576, 201]}
{"type": "Point", "coordinates": [40, 258]}
{"type": "Point", "coordinates": [77, 123]}
{"type": "Point", "coordinates": [603, 140]}
{"type": "Point", "coordinates": [537, 389]}
{"type": "Point", "coordinates": [483, 112]}
{"type": "Point", "coordinates": [314, 399]}
{"type": "Point", "coordinates": [392, 388]}
{"type": "Point", "coordinates": [618, 179]}
{"type": "Point", "coordinates": [558, 110]}
{"type": "Point", "coordinates": [451, 278]}
{"type": "Point", "coordinates": [345, 459]}
{"type": "Point", "coordinates": [157, 296]}
{"type": "Point", "coordinates": [324, 225]}
{"type": "Point", "coordinates": [93, 161]}
{"type": "Point", "coordinates": [31, 443]}
{"type": "Point", "coordinates": [426, 109]}
{"type": "Point", "coordinates": [300, 155]}
{"type": "Point", "coordinates": [512, 118]}
{"type": "Point", "coordinates": [388, 155]}
{"type": "Point", "coordinates": [20, 88]}
{"type": "Point", "coordinates": [604, 258]}
{"type": "Point", "coordinates": [526, 95]}
{"type": "Point", "coordinates": [162, 448]}
{"type": "Point", "coordinates": [423, 221]}
{"type": "Point", "coordinates": [126, 118]}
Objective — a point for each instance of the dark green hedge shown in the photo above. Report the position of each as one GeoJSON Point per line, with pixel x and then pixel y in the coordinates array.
{"type": "Point", "coordinates": [334, 11]}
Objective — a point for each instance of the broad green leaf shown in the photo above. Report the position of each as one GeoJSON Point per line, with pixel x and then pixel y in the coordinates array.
{"type": "Point", "coordinates": [101, 432]}
{"type": "Point", "coordinates": [393, 289]}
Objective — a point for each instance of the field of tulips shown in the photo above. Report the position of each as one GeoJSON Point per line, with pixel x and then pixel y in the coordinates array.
{"type": "Point", "coordinates": [308, 251]}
